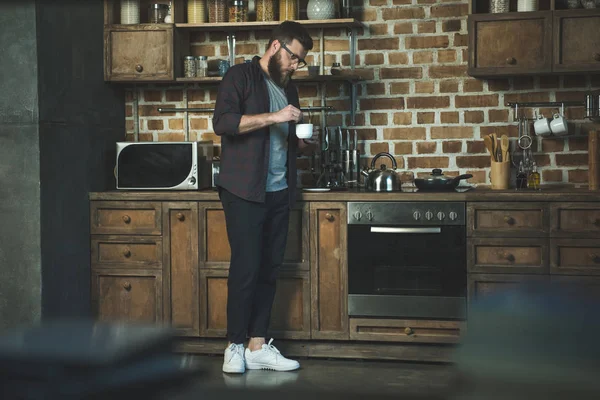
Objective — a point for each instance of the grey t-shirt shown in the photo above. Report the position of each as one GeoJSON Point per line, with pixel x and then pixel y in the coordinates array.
{"type": "Point", "coordinates": [276, 178]}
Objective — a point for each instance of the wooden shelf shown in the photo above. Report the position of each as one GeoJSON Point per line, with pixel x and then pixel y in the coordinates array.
{"type": "Point", "coordinates": [257, 25]}
{"type": "Point", "coordinates": [297, 79]}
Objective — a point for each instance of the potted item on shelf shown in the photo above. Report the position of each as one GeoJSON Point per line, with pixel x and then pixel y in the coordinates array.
{"type": "Point", "coordinates": [320, 9]}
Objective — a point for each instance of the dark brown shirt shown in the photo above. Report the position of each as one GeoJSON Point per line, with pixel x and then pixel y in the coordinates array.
{"type": "Point", "coordinates": [245, 158]}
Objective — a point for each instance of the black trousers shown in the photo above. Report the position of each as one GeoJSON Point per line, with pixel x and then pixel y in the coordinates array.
{"type": "Point", "coordinates": [257, 235]}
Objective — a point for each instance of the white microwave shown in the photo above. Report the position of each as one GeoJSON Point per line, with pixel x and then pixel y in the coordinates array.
{"type": "Point", "coordinates": [164, 165]}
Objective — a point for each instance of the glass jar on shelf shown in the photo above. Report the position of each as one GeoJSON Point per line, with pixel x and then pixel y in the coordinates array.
{"type": "Point", "coordinates": [130, 11]}
{"type": "Point", "coordinates": [201, 66]}
{"type": "Point", "coordinates": [189, 66]}
{"type": "Point", "coordinates": [238, 11]}
{"type": "Point", "coordinates": [265, 10]}
{"type": "Point", "coordinates": [217, 11]}
{"type": "Point", "coordinates": [157, 13]}
{"type": "Point", "coordinates": [196, 11]}
{"type": "Point", "coordinates": [288, 10]}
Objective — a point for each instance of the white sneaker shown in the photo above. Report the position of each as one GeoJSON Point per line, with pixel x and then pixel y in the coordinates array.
{"type": "Point", "coordinates": [234, 362]}
{"type": "Point", "coordinates": [268, 357]}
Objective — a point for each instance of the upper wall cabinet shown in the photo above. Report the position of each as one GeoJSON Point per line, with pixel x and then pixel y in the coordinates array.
{"type": "Point", "coordinates": [549, 41]}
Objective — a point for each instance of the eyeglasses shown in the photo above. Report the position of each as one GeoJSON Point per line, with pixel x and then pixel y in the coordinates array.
{"type": "Point", "coordinates": [294, 57]}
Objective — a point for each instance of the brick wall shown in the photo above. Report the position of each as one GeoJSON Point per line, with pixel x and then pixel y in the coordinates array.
{"type": "Point", "coordinates": [417, 101]}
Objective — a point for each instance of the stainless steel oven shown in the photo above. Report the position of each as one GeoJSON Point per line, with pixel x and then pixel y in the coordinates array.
{"type": "Point", "coordinates": [407, 259]}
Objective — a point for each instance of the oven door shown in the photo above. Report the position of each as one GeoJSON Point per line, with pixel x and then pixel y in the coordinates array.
{"type": "Point", "coordinates": [407, 271]}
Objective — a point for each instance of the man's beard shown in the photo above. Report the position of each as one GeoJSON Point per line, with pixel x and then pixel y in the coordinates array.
{"type": "Point", "coordinates": [275, 71]}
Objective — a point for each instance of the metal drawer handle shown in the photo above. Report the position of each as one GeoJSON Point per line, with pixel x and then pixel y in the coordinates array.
{"type": "Point", "coordinates": [329, 217]}
{"type": "Point", "coordinates": [127, 253]}
{"type": "Point", "coordinates": [127, 286]}
{"type": "Point", "coordinates": [408, 330]}
{"type": "Point", "coordinates": [180, 217]}
{"type": "Point", "coordinates": [509, 257]}
{"type": "Point", "coordinates": [126, 219]}
{"type": "Point", "coordinates": [595, 258]}
{"type": "Point", "coordinates": [509, 220]}
{"type": "Point", "coordinates": [511, 60]}
{"type": "Point", "coordinates": [139, 68]}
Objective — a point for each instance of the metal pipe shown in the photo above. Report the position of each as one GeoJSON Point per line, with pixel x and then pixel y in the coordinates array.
{"type": "Point", "coordinates": [192, 109]}
{"type": "Point", "coordinates": [546, 104]}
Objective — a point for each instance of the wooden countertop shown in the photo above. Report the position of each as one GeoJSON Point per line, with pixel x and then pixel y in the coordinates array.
{"type": "Point", "coordinates": [549, 193]}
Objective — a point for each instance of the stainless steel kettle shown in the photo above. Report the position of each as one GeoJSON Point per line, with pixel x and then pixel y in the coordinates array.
{"type": "Point", "coordinates": [382, 179]}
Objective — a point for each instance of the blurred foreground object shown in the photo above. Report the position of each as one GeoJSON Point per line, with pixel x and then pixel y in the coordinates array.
{"type": "Point", "coordinates": [539, 341]}
{"type": "Point", "coordinates": [89, 360]}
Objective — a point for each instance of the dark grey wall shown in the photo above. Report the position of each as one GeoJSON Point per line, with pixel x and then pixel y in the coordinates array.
{"type": "Point", "coordinates": [58, 126]}
{"type": "Point", "coordinates": [20, 255]}
{"type": "Point", "coordinates": [81, 118]}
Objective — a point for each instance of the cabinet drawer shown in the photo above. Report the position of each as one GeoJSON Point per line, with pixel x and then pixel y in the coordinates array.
{"type": "Point", "coordinates": [117, 251]}
{"type": "Point", "coordinates": [575, 219]}
{"type": "Point", "coordinates": [576, 41]}
{"type": "Point", "coordinates": [575, 256]}
{"type": "Point", "coordinates": [120, 217]}
{"type": "Point", "coordinates": [481, 286]}
{"type": "Point", "coordinates": [503, 255]}
{"type": "Point", "coordinates": [406, 330]}
{"type": "Point", "coordinates": [507, 219]}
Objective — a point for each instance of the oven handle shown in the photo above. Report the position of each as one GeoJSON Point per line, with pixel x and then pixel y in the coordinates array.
{"type": "Point", "coordinates": [387, 229]}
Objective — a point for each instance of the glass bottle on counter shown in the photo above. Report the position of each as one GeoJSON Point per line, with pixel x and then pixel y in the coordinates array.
{"type": "Point", "coordinates": [521, 177]}
{"type": "Point", "coordinates": [533, 181]}
{"type": "Point", "coordinates": [288, 10]}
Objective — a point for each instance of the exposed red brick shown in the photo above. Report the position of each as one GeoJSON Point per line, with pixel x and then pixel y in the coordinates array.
{"type": "Point", "coordinates": [426, 147]}
{"type": "Point", "coordinates": [498, 115]}
{"type": "Point", "coordinates": [446, 56]}
{"type": "Point", "coordinates": [400, 88]}
{"type": "Point", "coordinates": [526, 97]}
{"type": "Point", "coordinates": [508, 130]}
{"type": "Point", "coordinates": [473, 117]}
{"type": "Point", "coordinates": [426, 27]}
{"type": "Point", "coordinates": [549, 82]}
{"type": "Point", "coordinates": [523, 83]}
{"type": "Point", "coordinates": [208, 50]}
{"type": "Point", "coordinates": [425, 118]}
{"type": "Point", "coordinates": [393, 103]}
{"type": "Point", "coordinates": [572, 95]}
{"type": "Point", "coordinates": [401, 73]}
{"type": "Point", "coordinates": [569, 160]}
{"type": "Point", "coordinates": [174, 95]}
{"type": "Point", "coordinates": [145, 137]}
{"type": "Point", "coordinates": [425, 87]}
{"type": "Point", "coordinates": [129, 96]}
{"type": "Point", "coordinates": [427, 162]}
{"type": "Point", "coordinates": [498, 85]}
{"type": "Point", "coordinates": [171, 137]}
{"type": "Point", "coordinates": [198, 123]}
{"type": "Point", "coordinates": [378, 29]}
{"type": "Point", "coordinates": [379, 147]}
{"type": "Point", "coordinates": [450, 10]}
{"type": "Point", "coordinates": [574, 81]}
{"type": "Point", "coordinates": [366, 134]}
{"type": "Point", "coordinates": [423, 57]}
{"type": "Point", "coordinates": [452, 146]}
{"type": "Point", "coordinates": [153, 95]}
{"type": "Point", "coordinates": [379, 44]}
{"type": "Point", "coordinates": [449, 117]}
{"type": "Point", "coordinates": [578, 176]}
{"type": "Point", "coordinates": [129, 126]}
{"type": "Point", "coordinates": [473, 161]}
{"type": "Point", "coordinates": [447, 71]}
{"type": "Point", "coordinates": [404, 133]}
{"type": "Point", "coordinates": [402, 13]}
{"type": "Point", "coordinates": [453, 25]}
{"type": "Point", "coordinates": [473, 85]}
{"type": "Point", "coordinates": [336, 45]}
{"type": "Point", "coordinates": [176, 123]}
{"type": "Point", "coordinates": [374, 59]}
{"type": "Point", "coordinates": [152, 110]}
{"type": "Point", "coordinates": [552, 175]}
{"type": "Point", "coordinates": [478, 176]}
{"type": "Point", "coordinates": [194, 95]}
{"type": "Point", "coordinates": [398, 58]}
{"type": "Point", "coordinates": [428, 102]}
{"type": "Point", "coordinates": [402, 118]}
{"type": "Point", "coordinates": [488, 100]}
{"type": "Point", "coordinates": [305, 91]}
{"type": "Point", "coordinates": [448, 86]}
{"type": "Point", "coordinates": [375, 89]}
{"type": "Point", "coordinates": [426, 42]}
{"type": "Point", "coordinates": [128, 111]}
{"type": "Point", "coordinates": [378, 119]}
{"type": "Point", "coordinates": [403, 28]}
{"type": "Point", "coordinates": [377, 3]}
{"type": "Point", "coordinates": [401, 2]}
{"type": "Point", "coordinates": [451, 132]}
{"type": "Point", "coordinates": [474, 147]}
{"type": "Point", "coordinates": [578, 143]}
{"type": "Point", "coordinates": [551, 145]}
{"type": "Point", "coordinates": [403, 147]}
{"type": "Point", "coordinates": [461, 40]}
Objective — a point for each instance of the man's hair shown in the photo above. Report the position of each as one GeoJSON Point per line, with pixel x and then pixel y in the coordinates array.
{"type": "Point", "coordinates": [287, 31]}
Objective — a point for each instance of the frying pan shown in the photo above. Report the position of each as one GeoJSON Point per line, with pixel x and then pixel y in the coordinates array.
{"type": "Point", "coordinates": [438, 182]}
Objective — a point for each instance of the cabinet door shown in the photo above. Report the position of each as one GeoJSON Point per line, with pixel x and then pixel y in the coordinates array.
{"type": "Point", "coordinates": [138, 53]}
{"type": "Point", "coordinates": [510, 44]}
{"type": "Point", "coordinates": [182, 310]}
{"type": "Point", "coordinates": [290, 315]}
{"type": "Point", "coordinates": [132, 295]}
{"type": "Point", "coordinates": [577, 41]}
{"type": "Point", "coordinates": [482, 285]}
{"type": "Point", "coordinates": [216, 253]}
{"type": "Point", "coordinates": [329, 270]}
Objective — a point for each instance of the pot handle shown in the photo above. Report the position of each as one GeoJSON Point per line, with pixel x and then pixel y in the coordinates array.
{"type": "Point", "coordinates": [394, 165]}
{"type": "Point", "coordinates": [461, 177]}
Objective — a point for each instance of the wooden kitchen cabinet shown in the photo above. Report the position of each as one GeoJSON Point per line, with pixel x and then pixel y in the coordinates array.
{"type": "Point", "coordinates": [575, 220]}
{"type": "Point", "coordinates": [480, 286]}
{"type": "Point", "coordinates": [329, 270]}
{"type": "Point", "coordinates": [120, 217]}
{"type": "Point", "coordinates": [575, 256]}
{"type": "Point", "coordinates": [290, 315]}
{"type": "Point", "coordinates": [180, 261]}
{"type": "Point", "coordinates": [510, 44]}
{"type": "Point", "coordinates": [576, 41]}
{"type": "Point", "coordinates": [507, 219]}
{"type": "Point", "coordinates": [507, 255]}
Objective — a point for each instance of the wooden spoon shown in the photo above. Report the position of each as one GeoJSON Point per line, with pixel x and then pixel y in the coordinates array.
{"type": "Point", "coordinates": [487, 141]}
{"type": "Point", "coordinates": [495, 141]}
{"type": "Point", "coordinates": [504, 146]}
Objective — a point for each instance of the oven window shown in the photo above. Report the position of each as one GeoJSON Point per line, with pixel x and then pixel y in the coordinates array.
{"type": "Point", "coordinates": [416, 264]}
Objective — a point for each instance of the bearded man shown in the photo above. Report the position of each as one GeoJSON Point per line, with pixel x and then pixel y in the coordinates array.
{"type": "Point", "coordinates": [256, 112]}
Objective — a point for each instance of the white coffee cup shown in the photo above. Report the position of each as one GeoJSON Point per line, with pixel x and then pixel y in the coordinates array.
{"type": "Point", "coordinates": [559, 126]}
{"type": "Point", "coordinates": [542, 126]}
{"type": "Point", "coordinates": [304, 131]}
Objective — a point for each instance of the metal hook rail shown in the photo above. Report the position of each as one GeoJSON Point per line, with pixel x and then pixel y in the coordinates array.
{"type": "Point", "coordinates": [561, 104]}
{"type": "Point", "coordinates": [200, 110]}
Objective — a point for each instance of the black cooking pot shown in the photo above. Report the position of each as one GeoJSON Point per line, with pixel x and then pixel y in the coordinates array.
{"type": "Point", "coordinates": [438, 182]}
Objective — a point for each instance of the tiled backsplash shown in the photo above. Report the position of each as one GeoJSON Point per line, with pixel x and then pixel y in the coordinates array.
{"type": "Point", "coordinates": [417, 101]}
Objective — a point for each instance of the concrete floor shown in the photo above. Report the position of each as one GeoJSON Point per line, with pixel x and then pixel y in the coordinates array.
{"type": "Point", "coordinates": [327, 379]}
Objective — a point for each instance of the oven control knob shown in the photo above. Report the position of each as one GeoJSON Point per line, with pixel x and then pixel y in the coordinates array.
{"type": "Point", "coordinates": [429, 215]}
{"type": "Point", "coordinates": [369, 215]}
{"type": "Point", "coordinates": [357, 215]}
{"type": "Point", "coordinates": [441, 216]}
{"type": "Point", "coordinates": [417, 215]}
{"type": "Point", "coordinates": [453, 215]}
